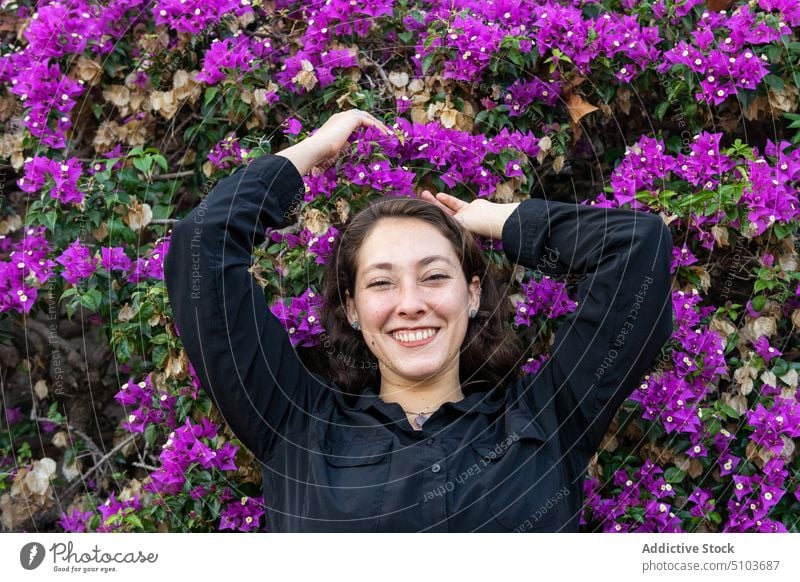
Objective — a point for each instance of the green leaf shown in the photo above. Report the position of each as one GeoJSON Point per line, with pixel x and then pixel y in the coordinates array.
{"type": "Point", "coordinates": [426, 62]}
{"type": "Point", "coordinates": [143, 164]}
{"type": "Point", "coordinates": [775, 83]}
{"type": "Point", "coordinates": [674, 475]}
{"type": "Point", "coordinates": [49, 219]}
{"type": "Point", "coordinates": [728, 411]}
{"type": "Point", "coordinates": [161, 161]}
{"type": "Point", "coordinates": [134, 520]}
{"type": "Point", "coordinates": [91, 299]}
{"type": "Point", "coordinates": [150, 434]}
{"type": "Point", "coordinates": [211, 92]}
{"type": "Point", "coordinates": [661, 110]}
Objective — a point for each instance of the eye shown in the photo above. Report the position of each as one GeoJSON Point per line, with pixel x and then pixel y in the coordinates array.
{"type": "Point", "coordinates": [377, 283]}
{"type": "Point", "coordinates": [438, 276]}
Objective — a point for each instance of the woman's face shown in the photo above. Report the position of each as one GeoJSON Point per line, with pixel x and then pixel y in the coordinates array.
{"type": "Point", "coordinates": [408, 278]}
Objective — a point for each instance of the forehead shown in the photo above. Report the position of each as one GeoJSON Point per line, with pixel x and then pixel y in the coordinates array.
{"type": "Point", "coordinates": [403, 243]}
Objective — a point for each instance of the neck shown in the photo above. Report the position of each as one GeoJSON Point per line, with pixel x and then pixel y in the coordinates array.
{"type": "Point", "coordinates": [420, 397]}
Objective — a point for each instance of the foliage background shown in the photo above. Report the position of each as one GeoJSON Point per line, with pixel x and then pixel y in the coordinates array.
{"type": "Point", "coordinates": [118, 117]}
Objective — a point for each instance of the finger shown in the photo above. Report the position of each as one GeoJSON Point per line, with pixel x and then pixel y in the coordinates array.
{"type": "Point", "coordinates": [428, 197]}
{"type": "Point", "coordinates": [375, 122]}
{"type": "Point", "coordinates": [450, 201]}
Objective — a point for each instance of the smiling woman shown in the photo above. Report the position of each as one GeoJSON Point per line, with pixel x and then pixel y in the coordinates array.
{"type": "Point", "coordinates": [436, 432]}
{"type": "Point", "coordinates": [417, 286]}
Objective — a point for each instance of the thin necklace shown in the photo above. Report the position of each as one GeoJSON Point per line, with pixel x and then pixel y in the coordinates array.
{"type": "Point", "coordinates": [420, 417]}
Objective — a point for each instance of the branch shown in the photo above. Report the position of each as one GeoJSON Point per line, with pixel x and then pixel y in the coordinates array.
{"type": "Point", "coordinates": [173, 175]}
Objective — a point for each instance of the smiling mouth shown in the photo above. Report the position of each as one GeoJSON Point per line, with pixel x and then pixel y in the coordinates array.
{"type": "Point", "coordinates": [414, 339]}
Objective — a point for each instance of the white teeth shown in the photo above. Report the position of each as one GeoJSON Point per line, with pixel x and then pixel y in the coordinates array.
{"type": "Point", "coordinates": [414, 337]}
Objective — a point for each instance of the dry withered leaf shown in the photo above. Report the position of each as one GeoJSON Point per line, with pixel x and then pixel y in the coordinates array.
{"type": "Point", "coordinates": [758, 106]}
{"type": "Point", "coordinates": [117, 95]}
{"type": "Point", "coordinates": [743, 378]}
{"type": "Point", "coordinates": [578, 107]}
{"type": "Point", "coordinates": [30, 492]}
{"type": "Point", "coordinates": [40, 389]}
{"type": "Point", "coordinates": [545, 144]}
{"type": "Point", "coordinates": [60, 439]}
{"type": "Point", "coordinates": [767, 326]}
{"type": "Point", "coordinates": [185, 85]}
{"type": "Point", "coordinates": [306, 77]}
{"type": "Point", "coordinates": [88, 70]}
{"type": "Point", "coordinates": [398, 78]}
{"type": "Point", "coordinates": [139, 215]}
{"type": "Point", "coordinates": [107, 136]}
{"type": "Point", "coordinates": [783, 101]}
{"type": "Point", "coordinates": [175, 367]}
{"type": "Point", "coordinates": [703, 275]}
{"type": "Point", "coordinates": [790, 378]}
{"type": "Point", "coordinates": [315, 221]}
{"type": "Point", "coordinates": [126, 313]}
{"type": "Point", "coordinates": [720, 234]}
{"type": "Point", "coordinates": [695, 468]}
{"type": "Point", "coordinates": [100, 233]}
{"type": "Point", "coordinates": [723, 325]}
{"type": "Point", "coordinates": [164, 103]}
{"type": "Point", "coordinates": [10, 224]}
{"type": "Point", "coordinates": [342, 209]}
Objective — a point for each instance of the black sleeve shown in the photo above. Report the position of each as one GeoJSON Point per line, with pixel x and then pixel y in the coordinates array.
{"type": "Point", "coordinates": [242, 354]}
{"type": "Point", "coordinates": [624, 314]}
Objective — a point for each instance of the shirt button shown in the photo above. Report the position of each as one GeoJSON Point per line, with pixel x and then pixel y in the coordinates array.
{"type": "Point", "coordinates": [436, 468]}
{"type": "Point", "coordinates": [429, 441]}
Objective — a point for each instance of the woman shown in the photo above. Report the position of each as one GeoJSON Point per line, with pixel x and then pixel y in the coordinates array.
{"type": "Point", "coordinates": [424, 426]}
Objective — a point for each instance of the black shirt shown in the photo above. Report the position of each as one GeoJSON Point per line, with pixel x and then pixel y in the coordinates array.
{"type": "Point", "coordinates": [511, 458]}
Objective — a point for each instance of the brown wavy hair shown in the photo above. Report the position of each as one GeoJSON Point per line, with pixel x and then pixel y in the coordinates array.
{"type": "Point", "coordinates": [490, 354]}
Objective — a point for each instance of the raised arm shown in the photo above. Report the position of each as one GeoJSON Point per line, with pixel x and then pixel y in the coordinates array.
{"type": "Point", "coordinates": [624, 314]}
{"type": "Point", "coordinates": [242, 354]}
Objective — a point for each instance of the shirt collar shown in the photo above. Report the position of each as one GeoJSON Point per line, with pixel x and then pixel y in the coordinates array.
{"type": "Point", "coordinates": [479, 399]}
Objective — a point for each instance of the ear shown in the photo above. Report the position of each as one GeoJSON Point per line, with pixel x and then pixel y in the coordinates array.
{"type": "Point", "coordinates": [475, 293]}
{"type": "Point", "coordinates": [350, 307]}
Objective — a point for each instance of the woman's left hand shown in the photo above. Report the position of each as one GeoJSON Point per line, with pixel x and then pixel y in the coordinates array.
{"type": "Point", "coordinates": [478, 217]}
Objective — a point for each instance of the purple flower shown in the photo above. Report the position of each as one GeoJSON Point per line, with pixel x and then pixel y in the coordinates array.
{"type": "Point", "coordinates": [293, 126]}
{"type": "Point", "coordinates": [242, 515]}
{"type": "Point", "coordinates": [301, 319]}
{"type": "Point", "coordinates": [322, 246]}
{"type": "Point", "coordinates": [227, 153]}
{"type": "Point", "coordinates": [13, 415]}
{"type": "Point", "coordinates": [114, 259]}
{"type": "Point", "coordinates": [76, 521]}
{"type": "Point", "coordinates": [547, 298]}
{"type": "Point", "coordinates": [514, 169]}
{"type": "Point", "coordinates": [77, 262]}
{"type": "Point", "coordinates": [765, 350]}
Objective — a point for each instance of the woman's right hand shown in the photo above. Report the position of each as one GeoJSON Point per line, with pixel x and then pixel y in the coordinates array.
{"type": "Point", "coordinates": [335, 132]}
{"type": "Point", "coordinates": [322, 147]}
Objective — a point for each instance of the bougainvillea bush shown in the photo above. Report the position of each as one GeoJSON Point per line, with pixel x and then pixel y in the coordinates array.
{"type": "Point", "coordinates": [120, 116]}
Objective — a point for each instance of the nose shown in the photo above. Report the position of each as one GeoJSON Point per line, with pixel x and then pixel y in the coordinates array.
{"type": "Point", "coordinates": [410, 300]}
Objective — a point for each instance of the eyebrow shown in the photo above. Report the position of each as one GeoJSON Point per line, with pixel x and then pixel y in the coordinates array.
{"type": "Point", "coordinates": [425, 261]}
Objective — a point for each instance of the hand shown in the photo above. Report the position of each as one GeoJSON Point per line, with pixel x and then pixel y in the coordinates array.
{"type": "Point", "coordinates": [478, 217]}
{"type": "Point", "coordinates": [335, 132]}
{"type": "Point", "coordinates": [321, 148]}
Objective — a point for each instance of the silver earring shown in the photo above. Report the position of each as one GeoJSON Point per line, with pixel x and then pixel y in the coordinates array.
{"type": "Point", "coordinates": [356, 325]}
{"type": "Point", "coordinates": [473, 313]}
